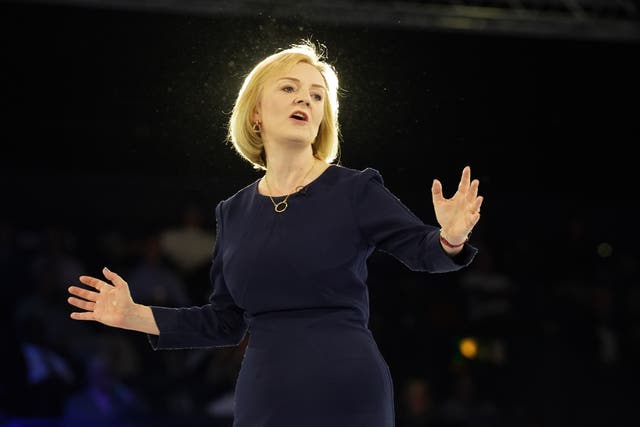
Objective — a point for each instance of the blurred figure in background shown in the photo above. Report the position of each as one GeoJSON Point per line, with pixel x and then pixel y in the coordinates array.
{"type": "Point", "coordinates": [105, 399]}
{"type": "Point", "coordinates": [417, 405]}
{"type": "Point", "coordinates": [153, 279]}
{"type": "Point", "coordinates": [49, 373]}
{"type": "Point", "coordinates": [189, 247]}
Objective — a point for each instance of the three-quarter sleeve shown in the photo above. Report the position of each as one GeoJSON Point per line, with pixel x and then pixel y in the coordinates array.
{"type": "Point", "coordinates": [388, 225]}
{"type": "Point", "coordinates": [219, 323]}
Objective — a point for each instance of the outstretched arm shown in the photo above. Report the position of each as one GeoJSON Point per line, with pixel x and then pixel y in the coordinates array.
{"type": "Point", "coordinates": [111, 304]}
{"type": "Point", "coordinates": [459, 214]}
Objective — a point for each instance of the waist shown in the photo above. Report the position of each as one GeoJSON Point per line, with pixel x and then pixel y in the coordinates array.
{"type": "Point", "coordinates": [307, 327]}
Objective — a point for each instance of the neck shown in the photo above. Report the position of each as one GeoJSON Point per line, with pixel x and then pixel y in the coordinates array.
{"type": "Point", "coordinates": [287, 172]}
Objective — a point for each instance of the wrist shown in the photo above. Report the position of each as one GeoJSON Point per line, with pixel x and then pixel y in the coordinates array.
{"type": "Point", "coordinates": [452, 244]}
{"type": "Point", "coordinates": [141, 319]}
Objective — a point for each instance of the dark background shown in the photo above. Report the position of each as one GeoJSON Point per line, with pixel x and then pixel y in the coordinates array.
{"type": "Point", "coordinates": [114, 120]}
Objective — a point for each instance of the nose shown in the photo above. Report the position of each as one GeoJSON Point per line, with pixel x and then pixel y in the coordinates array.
{"type": "Point", "coordinates": [304, 100]}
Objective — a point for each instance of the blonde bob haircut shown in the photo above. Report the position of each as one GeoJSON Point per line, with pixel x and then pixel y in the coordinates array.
{"type": "Point", "coordinates": [241, 133]}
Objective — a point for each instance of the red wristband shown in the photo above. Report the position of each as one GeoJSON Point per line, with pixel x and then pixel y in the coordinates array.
{"type": "Point", "coordinates": [451, 245]}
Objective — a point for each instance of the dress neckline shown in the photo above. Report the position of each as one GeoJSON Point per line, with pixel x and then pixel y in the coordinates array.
{"type": "Point", "coordinates": [312, 182]}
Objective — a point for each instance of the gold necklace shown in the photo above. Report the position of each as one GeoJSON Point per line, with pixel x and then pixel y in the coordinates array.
{"type": "Point", "coordinates": [283, 205]}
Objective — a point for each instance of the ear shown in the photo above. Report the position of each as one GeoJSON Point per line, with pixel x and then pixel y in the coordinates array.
{"type": "Point", "coordinates": [256, 114]}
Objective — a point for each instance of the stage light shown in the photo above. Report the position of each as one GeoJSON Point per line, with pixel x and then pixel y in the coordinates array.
{"type": "Point", "coordinates": [468, 347]}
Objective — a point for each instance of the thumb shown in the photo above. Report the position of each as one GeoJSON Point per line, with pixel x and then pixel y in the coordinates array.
{"type": "Point", "coordinates": [436, 190]}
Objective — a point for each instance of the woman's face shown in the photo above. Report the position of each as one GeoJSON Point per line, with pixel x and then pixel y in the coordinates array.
{"type": "Point", "coordinates": [292, 106]}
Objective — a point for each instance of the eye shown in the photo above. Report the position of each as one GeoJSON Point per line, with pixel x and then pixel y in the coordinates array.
{"type": "Point", "coordinates": [288, 89]}
{"type": "Point", "coordinates": [317, 97]}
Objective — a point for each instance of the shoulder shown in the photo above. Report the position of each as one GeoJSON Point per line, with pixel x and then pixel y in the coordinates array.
{"type": "Point", "coordinates": [239, 200]}
{"type": "Point", "coordinates": [344, 175]}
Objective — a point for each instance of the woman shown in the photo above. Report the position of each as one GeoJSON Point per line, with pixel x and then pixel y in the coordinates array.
{"type": "Point", "coordinates": [289, 263]}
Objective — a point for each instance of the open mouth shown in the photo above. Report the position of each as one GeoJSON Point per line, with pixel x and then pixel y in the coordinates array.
{"type": "Point", "coordinates": [299, 115]}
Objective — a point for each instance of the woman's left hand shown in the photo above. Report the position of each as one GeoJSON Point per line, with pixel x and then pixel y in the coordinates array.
{"type": "Point", "coordinates": [459, 214]}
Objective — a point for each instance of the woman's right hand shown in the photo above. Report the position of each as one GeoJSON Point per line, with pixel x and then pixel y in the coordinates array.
{"type": "Point", "coordinates": [107, 303]}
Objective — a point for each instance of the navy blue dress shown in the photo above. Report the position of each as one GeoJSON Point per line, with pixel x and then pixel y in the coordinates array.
{"type": "Point", "coordinates": [296, 283]}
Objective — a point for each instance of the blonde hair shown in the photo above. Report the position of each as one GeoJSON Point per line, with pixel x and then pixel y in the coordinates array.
{"type": "Point", "coordinates": [247, 142]}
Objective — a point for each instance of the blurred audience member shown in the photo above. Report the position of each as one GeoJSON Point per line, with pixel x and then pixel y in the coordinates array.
{"type": "Point", "coordinates": [153, 281]}
{"type": "Point", "coordinates": [190, 248]}
{"type": "Point", "coordinates": [43, 305]}
{"type": "Point", "coordinates": [489, 294]}
{"type": "Point", "coordinates": [105, 399]}
{"type": "Point", "coordinates": [50, 375]}
{"type": "Point", "coordinates": [221, 373]}
{"type": "Point", "coordinates": [417, 407]}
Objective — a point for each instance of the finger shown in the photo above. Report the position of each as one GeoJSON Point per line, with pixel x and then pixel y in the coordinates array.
{"type": "Point", "coordinates": [83, 293]}
{"type": "Point", "coordinates": [83, 304]}
{"type": "Point", "coordinates": [474, 219]}
{"type": "Point", "coordinates": [475, 206]}
{"type": "Point", "coordinates": [436, 191]}
{"type": "Point", "coordinates": [113, 277]}
{"type": "Point", "coordinates": [86, 315]}
{"type": "Point", "coordinates": [465, 179]}
{"type": "Point", "coordinates": [93, 282]}
{"type": "Point", "coordinates": [475, 212]}
{"type": "Point", "coordinates": [473, 189]}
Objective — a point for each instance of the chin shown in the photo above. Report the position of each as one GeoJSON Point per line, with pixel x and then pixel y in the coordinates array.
{"type": "Point", "coordinates": [300, 140]}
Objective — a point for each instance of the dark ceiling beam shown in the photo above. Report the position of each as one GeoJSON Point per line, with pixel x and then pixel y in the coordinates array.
{"type": "Point", "coordinates": [614, 20]}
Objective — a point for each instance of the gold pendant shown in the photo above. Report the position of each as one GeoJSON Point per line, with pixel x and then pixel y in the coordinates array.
{"type": "Point", "coordinates": [281, 206]}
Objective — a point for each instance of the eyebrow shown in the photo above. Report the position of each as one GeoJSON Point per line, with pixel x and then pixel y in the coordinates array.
{"type": "Point", "coordinates": [298, 81]}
